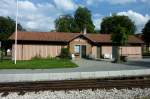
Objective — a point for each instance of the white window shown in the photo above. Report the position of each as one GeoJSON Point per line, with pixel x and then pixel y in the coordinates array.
{"type": "Point", "coordinates": [77, 48]}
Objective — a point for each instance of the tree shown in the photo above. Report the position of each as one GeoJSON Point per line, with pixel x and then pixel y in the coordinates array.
{"type": "Point", "coordinates": [119, 38]}
{"type": "Point", "coordinates": [65, 54]}
{"type": "Point", "coordinates": [97, 31]}
{"type": "Point", "coordinates": [7, 27]}
{"type": "Point", "coordinates": [83, 19]}
{"type": "Point", "coordinates": [109, 24]}
{"type": "Point", "coordinates": [146, 34]}
{"type": "Point", "coordinates": [66, 23]}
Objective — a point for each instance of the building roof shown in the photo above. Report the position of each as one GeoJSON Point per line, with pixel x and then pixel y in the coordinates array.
{"type": "Point", "coordinates": [140, 35]}
{"type": "Point", "coordinates": [67, 37]}
{"type": "Point", "coordinates": [44, 36]}
{"type": "Point", "coordinates": [106, 38]}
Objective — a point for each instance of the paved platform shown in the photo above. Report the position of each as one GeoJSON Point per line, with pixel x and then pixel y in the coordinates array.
{"type": "Point", "coordinates": [88, 69]}
{"type": "Point", "coordinates": [28, 77]}
{"type": "Point", "coordinates": [87, 66]}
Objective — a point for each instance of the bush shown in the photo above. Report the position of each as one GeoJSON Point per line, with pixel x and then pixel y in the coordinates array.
{"type": "Point", "coordinates": [36, 57]}
{"type": "Point", "coordinates": [65, 53]}
{"type": "Point", "coordinates": [123, 58]}
{"type": "Point", "coordinates": [146, 54]}
{"type": "Point", "coordinates": [1, 54]}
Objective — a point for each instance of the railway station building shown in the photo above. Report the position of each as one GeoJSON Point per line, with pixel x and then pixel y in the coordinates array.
{"type": "Point", "coordinates": [49, 44]}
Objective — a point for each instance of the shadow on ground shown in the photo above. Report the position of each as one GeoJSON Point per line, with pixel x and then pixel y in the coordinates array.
{"type": "Point", "coordinates": [139, 63]}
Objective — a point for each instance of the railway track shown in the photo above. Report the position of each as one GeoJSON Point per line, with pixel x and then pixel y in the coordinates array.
{"type": "Point", "coordinates": [74, 84]}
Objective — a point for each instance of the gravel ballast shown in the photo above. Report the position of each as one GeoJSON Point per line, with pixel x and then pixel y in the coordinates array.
{"type": "Point", "coordinates": [134, 93]}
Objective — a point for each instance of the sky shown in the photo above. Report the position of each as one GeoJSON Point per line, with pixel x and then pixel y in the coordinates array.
{"type": "Point", "coordinates": [39, 15]}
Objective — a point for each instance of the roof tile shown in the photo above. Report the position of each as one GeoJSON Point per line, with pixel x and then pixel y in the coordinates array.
{"type": "Point", "coordinates": [66, 37]}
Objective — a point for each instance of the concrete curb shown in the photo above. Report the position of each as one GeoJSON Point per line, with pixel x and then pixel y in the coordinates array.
{"type": "Point", "coordinates": [71, 75]}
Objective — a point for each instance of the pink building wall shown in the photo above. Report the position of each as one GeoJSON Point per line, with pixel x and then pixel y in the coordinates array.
{"type": "Point", "coordinates": [130, 51]}
{"type": "Point", "coordinates": [26, 52]}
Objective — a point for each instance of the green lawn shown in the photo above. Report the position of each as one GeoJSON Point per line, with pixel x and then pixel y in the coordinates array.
{"type": "Point", "coordinates": [38, 64]}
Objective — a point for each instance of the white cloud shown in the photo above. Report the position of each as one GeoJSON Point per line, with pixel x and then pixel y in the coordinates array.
{"type": "Point", "coordinates": [96, 15]}
{"type": "Point", "coordinates": [26, 5]}
{"type": "Point", "coordinates": [93, 2]}
{"type": "Point", "coordinates": [41, 16]}
{"type": "Point", "coordinates": [121, 1]}
{"type": "Point", "coordinates": [32, 16]}
{"type": "Point", "coordinates": [7, 7]}
{"type": "Point", "coordinates": [36, 16]}
{"type": "Point", "coordinates": [65, 4]}
{"type": "Point", "coordinates": [145, 1]}
{"type": "Point", "coordinates": [139, 19]}
{"type": "Point", "coordinates": [90, 2]}
{"type": "Point", "coordinates": [97, 22]}
{"type": "Point", "coordinates": [40, 23]}
{"type": "Point", "coordinates": [97, 19]}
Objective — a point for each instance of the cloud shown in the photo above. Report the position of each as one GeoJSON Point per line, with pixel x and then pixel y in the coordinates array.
{"type": "Point", "coordinates": [114, 2]}
{"type": "Point", "coordinates": [36, 16]}
{"type": "Point", "coordinates": [139, 19]}
{"type": "Point", "coordinates": [97, 22]}
{"type": "Point", "coordinates": [65, 4]}
{"type": "Point", "coordinates": [121, 1]}
{"type": "Point", "coordinates": [39, 23]}
{"type": "Point", "coordinates": [90, 2]}
{"type": "Point", "coordinates": [97, 19]}
{"type": "Point", "coordinates": [32, 16]}
{"type": "Point", "coordinates": [145, 1]}
{"type": "Point", "coordinates": [96, 15]}
{"type": "Point", "coordinates": [26, 5]}
{"type": "Point", "coordinates": [7, 7]}
{"type": "Point", "coordinates": [41, 16]}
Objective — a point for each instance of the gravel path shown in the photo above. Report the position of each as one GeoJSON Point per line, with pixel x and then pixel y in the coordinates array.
{"type": "Point", "coordinates": [135, 93]}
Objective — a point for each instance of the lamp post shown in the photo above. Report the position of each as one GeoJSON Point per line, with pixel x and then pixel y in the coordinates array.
{"type": "Point", "coordinates": [15, 60]}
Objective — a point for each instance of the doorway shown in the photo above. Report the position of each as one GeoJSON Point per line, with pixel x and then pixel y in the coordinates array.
{"type": "Point", "coordinates": [99, 52]}
{"type": "Point", "coordinates": [83, 51]}
{"type": "Point", "coordinates": [80, 51]}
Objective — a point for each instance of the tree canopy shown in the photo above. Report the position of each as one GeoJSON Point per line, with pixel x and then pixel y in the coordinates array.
{"type": "Point", "coordinates": [7, 27]}
{"type": "Point", "coordinates": [119, 27]}
{"type": "Point", "coordinates": [66, 23]}
{"type": "Point", "coordinates": [146, 32]}
{"type": "Point", "coordinates": [119, 36]}
{"type": "Point", "coordinates": [109, 24]}
{"type": "Point", "coordinates": [83, 18]}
